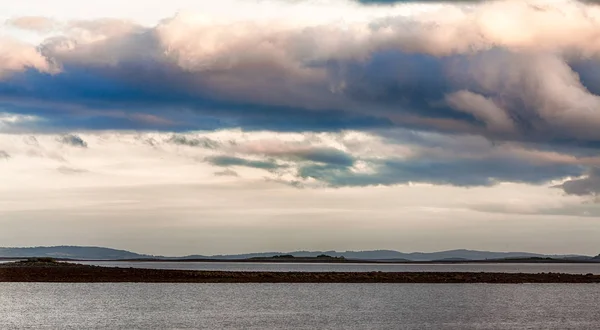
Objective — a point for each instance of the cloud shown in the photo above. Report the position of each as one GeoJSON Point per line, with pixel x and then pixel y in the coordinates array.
{"type": "Point", "coordinates": [451, 68]}
{"type": "Point", "coordinates": [194, 142]}
{"type": "Point", "coordinates": [495, 118]}
{"type": "Point", "coordinates": [226, 161]}
{"type": "Point", "coordinates": [349, 159]}
{"type": "Point", "coordinates": [324, 155]}
{"type": "Point", "coordinates": [462, 173]}
{"type": "Point", "coordinates": [414, 157]}
{"type": "Point", "coordinates": [70, 170]}
{"type": "Point", "coordinates": [297, 152]}
{"type": "Point", "coordinates": [4, 155]}
{"type": "Point", "coordinates": [12, 122]}
{"type": "Point", "coordinates": [464, 93]}
{"type": "Point", "coordinates": [16, 57]}
{"type": "Point", "coordinates": [227, 172]}
{"type": "Point", "coordinates": [73, 140]}
{"type": "Point", "coordinates": [588, 185]}
{"type": "Point", "coordinates": [33, 23]}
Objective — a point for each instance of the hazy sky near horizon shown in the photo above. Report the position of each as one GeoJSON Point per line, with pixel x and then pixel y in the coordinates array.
{"type": "Point", "coordinates": [210, 127]}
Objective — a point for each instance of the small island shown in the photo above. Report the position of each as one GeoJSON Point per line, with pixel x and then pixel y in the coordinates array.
{"type": "Point", "coordinates": [322, 258]}
{"type": "Point", "coordinates": [51, 270]}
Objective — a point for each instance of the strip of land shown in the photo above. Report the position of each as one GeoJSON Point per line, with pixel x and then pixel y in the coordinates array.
{"type": "Point", "coordinates": [52, 271]}
{"type": "Point", "coordinates": [330, 260]}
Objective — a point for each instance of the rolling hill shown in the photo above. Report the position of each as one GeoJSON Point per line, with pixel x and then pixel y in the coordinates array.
{"type": "Point", "coordinates": [69, 252]}
{"type": "Point", "coordinates": [101, 253]}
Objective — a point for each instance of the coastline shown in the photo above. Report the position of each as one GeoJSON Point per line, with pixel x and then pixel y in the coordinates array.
{"type": "Point", "coordinates": [59, 272]}
{"type": "Point", "coordinates": [332, 260]}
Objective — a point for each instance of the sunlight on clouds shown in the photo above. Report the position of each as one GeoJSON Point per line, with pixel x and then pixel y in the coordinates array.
{"type": "Point", "coordinates": [16, 56]}
{"type": "Point", "coordinates": [119, 158]}
{"type": "Point", "coordinates": [406, 125]}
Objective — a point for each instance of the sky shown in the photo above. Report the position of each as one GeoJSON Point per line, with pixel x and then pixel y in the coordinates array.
{"type": "Point", "coordinates": [216, 127]}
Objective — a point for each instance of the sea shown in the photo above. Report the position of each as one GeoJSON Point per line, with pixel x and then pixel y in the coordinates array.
{"type": "Point", "coordinates": [582, 268]}
{"type": "Point", "coordinates": [298, 306]}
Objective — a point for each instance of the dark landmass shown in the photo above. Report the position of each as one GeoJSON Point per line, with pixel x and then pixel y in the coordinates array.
{"type": "Point", "coordinates": [353, 261]}
{"type": "Point", "coordinates": [48, 270]}
{"type": "Point", "coordinates": [323, 258]}
{"type": "Point", "coordinates": [287, 259]}
{"type": "Point", "coordinates": [69, 252]}
{"type": "Point", "coordinates": [330, 259]}
{"type": "Point", "coordinates": [100, 253]}
{"type": "Point", "coordinates": [390, 255]}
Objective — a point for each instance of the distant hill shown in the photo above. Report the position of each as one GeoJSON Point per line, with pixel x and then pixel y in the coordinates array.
{"type": "Point", "coordinates": [390, 255]}
{"type": "Point", "coordinates": [70, 252]}
{"type": "Point", "coordinates": [101, 253]}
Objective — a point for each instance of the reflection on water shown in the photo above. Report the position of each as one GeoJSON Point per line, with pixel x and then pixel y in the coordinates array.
{"type": "Point", "coordinates": [298, 306]}
{"type": "Point", "coordinates": [6, 261]}
{"type": "Point", "coordinates": [347, 267]}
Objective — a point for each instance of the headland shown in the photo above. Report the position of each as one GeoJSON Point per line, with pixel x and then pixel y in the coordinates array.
{"type": "Point", "coordinates": [49, 270]}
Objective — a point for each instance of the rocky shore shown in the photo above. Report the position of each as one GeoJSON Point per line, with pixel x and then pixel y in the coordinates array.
{"type": "Point", "coordinates": [52, 271]}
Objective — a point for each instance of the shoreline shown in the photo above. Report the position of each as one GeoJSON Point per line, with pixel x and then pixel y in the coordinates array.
{"type": "Point", "coordinates": [59, 272]}
{"type": "Point", "coordinates": [327, 261]}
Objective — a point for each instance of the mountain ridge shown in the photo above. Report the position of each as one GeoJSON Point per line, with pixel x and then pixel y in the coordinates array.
{"type": "Point", "coordinates": [393, 255]}
{"type": "Point", "coordinates": [102, 253]}
{"type": "Point", "coordinates": [70, 252]}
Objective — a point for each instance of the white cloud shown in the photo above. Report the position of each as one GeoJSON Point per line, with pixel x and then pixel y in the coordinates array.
{"type": "Point", "coordinates": [33, 23]}
{"type": "Point", "coordinates": [13, 122]}
{"type": "Point", "coordinates": [16, 56]}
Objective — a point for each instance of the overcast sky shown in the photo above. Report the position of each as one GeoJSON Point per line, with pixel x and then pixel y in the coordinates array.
{"type": "Point", "coordinates": [210, 127]}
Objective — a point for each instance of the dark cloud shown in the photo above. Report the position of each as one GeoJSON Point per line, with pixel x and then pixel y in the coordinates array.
{"type": "Point", "coordinates": [588, 71]}
{"type": "Point", "coordinates": [462, 173]}
{"type": "Point", "coordinates": [227, 172]}
{"type": "Point", "coordinates": [403, 90]}
{"type": "Point", "coordinates": [591, 210]}
{"type": "Point", "coordinates": [91, 98]}
{"type": "Point", "coordinates": [194, 142]}
{"type": "Point", "coordinates": [70, 170]}
{"type": "Point", "coordinates": [4, 155]}
{"type": "Point", "coordinates": [31, 140]}
{"type": "Point", "coordinates": [73, 140]}
{"type": "Point", "coordinates": [313, 154]}
{"type": "Point", "coordinates": [586, 186]}
{"type": "Point", "coordinates": [326, 156]}
{"type": "Point", "coordinates": [432, 158]}
{"type": "Point", "coordinates": [402, 82]}
{"type": "Point", "coordinates": [226, 161]}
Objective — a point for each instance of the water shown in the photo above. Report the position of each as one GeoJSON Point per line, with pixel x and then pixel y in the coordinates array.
{"type": "Point", "coordinates": [298, 306]}
{"type": "Point", "coordinates": [348, 267]}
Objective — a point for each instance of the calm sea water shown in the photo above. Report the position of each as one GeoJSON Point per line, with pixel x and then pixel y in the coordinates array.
{"type": "Point", "coordinates": [347, 267]}
{"type": "Point", "coordinates": [298, 306]}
